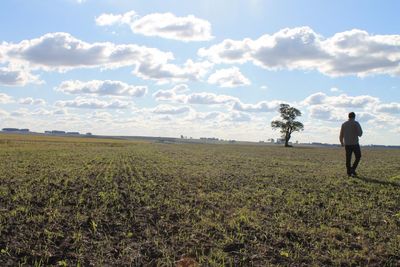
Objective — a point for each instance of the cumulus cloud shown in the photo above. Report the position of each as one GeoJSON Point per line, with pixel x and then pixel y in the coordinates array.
{"type": "Point", "coordinates": [22, 112]}
{"type": "Point", "coordinates": [203, 116]}
{"type": "Point", "coordinates": [217, 118]}
{"type": "Point", "coordinates": [4, 113]}
{"type": "Point", "coordinates": [92, 103]}
{"type": "Point", "coordinates": [171, 110]}
{"type": "Point", "coordinates": [101, 88]}
{"type": "Point", "coordinates": [392, 108]}
{"type": "Point", "coordinates": [205, 98]}
{"type": "Point", "coordinates": [17, 77]}
{"type": "Point", "coordinates": [5, 99]}
{"type": "Point", "coordinates": [112, 19]}
{"type": "Point", "coordinates": [62, 52]}
{"type": "Point", "coordinates": [165, 25]}
{"type": "Point", "coordinates": [60, 111]}
{"type": "Point", "coordinates": [262, 106]}
{"type": "Point", "coordinates": [335, 90]}
{"type": "Point", "coordinates": [238, 117]}
{"type": "Point", "coordinates": [353, 52]}
{"type": "Point", "coordinates": [163, 73]}
{"type": "Point", "coordinates": [336, 108]}
{"type": "Point", "coordinates": [31, 101]}
{"type": "Point", "coordinates": [177, 94]}
{"type": "Point", "coordinates": [325, 113]}
{"type": "Point", "coordinates": [42, 112]}
{"type": "Point", "coordinates": [342, 100]}
{"type": "Point", "coordinates": [231, 77]}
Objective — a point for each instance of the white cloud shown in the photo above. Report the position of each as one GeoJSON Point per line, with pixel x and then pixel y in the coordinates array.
{"type": "Point", "coordinates": [4, 113]}
{"type": "Point", "coordinates": [92, 103]}
{"type": "Point", "coordinates": [229, 51]}
{"type": "Point", "coordinates": [342, 100]}
{"type": "Point", "coordinates": [231, 77]}
{"type": "Point", "coordinates": [62, 52]}
{"type": "Point", "coordinates": [22, 112]}
{"type": "Point", "coordinates": [101, 88]}
{"type": "Point", "coordinates": [352, 52]}
{"type": "Point", "coordinates": [101, 116]}
{"type": "Point", "coordinates": [42, 112]}
{"type": "Point", "coordinates": [111, 19]}
{"type": "Point", "coordinates": [190, 71]}
{"type": "Point", "coordinates": [31, 101]}
{"type": "Point", "coordinates": [335, 90]}
{"type": "Point", "coordinates": [368, 109]}
{"type": "Point", "coordinates": [12, 76]}
{"type": "Point", "coordinates": [325, 113]}
{"type": "Point", "coordinates": [205, 98]}
{"type": "Point", "coordinates": [168, 109]}
{"type": "Point", "coordinates": [315, 99]}
{"type": "Point", "coordinates": [263, 106]}
{"type": "Point", "coordinates": [392, 108]}
{"type": "Point", "coordinates": [235, 116]}
{"type": "Point", "coordinates": [5, 99]}
{"type": "Point", "coordinates": [176, 94]}
{"type": "Point", "coordinates": [203, 116]}
{"type": "Point", "coordinates": [165, 25]}
{"type": "Point", "coordinates": [60, 111]}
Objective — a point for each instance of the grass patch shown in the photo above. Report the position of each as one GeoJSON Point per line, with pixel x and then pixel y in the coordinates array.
{"type": "Point", "coordinates": [69, 202]}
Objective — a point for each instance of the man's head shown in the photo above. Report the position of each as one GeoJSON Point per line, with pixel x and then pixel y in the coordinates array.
{"type": "Point", "coordinates": [352, 115]}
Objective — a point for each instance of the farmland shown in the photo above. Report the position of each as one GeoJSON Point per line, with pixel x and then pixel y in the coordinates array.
{"type": "Point", "coordinates": [98, 202]}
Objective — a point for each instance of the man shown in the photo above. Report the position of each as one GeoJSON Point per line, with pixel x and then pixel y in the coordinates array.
{"type": "Point", "coordinates": [349, 134]}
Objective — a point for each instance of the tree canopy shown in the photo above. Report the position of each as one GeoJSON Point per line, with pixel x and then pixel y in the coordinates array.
{"type": "Point", "coordinates": [288, 124]}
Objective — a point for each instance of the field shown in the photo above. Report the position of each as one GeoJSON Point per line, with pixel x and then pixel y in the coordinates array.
{"type": "Point", "coordinates": [94, 202]}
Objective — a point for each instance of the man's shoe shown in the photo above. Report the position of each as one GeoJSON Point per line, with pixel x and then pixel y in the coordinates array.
{"type": "Point", "coordinates": [354, 174]}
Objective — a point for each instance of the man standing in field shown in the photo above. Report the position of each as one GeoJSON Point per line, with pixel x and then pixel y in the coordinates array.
{"type": "Point", "coordinates": [349, 134]}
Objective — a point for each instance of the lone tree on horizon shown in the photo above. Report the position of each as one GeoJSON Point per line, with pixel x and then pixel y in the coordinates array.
{"type": "Point", "coordinates": [288, 124]}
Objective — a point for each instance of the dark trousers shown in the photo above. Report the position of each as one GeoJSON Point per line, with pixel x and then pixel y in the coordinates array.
{"type": "Point", "coordinates": [350, 149]}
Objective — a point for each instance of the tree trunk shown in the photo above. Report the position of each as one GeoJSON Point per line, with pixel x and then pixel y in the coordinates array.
{"type": "Point", "coordinates": [287, 138]}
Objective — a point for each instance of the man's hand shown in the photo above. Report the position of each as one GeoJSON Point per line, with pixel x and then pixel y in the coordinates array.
{"type": "Point", "coordinates": [342, 143]}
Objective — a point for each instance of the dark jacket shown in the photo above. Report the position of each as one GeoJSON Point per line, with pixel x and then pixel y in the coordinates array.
{"type": "Point", "coordinates": [350, 132]}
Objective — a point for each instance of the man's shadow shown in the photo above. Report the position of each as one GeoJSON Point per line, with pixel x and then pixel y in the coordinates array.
{"type": "Point", "coordinates": [376, 181]}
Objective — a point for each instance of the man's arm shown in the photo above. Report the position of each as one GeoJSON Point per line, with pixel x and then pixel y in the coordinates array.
{"type": "Point", "coordinates": [341, 136]}
{"type": "Point", "coordinates": [360, 132]}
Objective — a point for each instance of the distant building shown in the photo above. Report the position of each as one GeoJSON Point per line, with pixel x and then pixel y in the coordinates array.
{"type": "Point", "coordinates": [58, 132]}
{"type": "Point", "coordinates": [47, 132]}
{"type": "Point", "coordinates": [10, 129]}
{"type": "Point", "coordinates": [209, 138]}
{"type": "Point", "coordinates": [88, 133]}
{"type": "Point", "coordinates": [16, 130]}
{"type": "Point", "coordinates": [73, 133]}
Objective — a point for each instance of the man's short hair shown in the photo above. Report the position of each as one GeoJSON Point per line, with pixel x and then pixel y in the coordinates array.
{"type": "Point", "coordinates": [352, 115]}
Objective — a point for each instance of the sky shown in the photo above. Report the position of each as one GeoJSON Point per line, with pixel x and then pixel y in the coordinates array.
{"type": "Point", "coordinates": [210, 68]}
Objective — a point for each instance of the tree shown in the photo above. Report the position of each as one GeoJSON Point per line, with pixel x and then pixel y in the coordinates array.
{"type": "Point", "coordinates": [288, 124]}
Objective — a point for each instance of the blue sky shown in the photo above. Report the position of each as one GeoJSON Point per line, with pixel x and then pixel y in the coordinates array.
{"type": "Point", "coordinates": [200, 68]}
